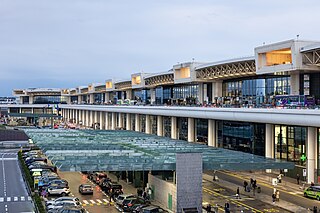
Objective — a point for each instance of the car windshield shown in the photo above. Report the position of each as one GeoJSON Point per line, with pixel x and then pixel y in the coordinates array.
{"type": "Point", "coordinates": [87, 186]}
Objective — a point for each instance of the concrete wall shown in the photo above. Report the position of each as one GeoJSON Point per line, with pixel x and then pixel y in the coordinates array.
{"type": "Point", "coordinates": [161, 191]}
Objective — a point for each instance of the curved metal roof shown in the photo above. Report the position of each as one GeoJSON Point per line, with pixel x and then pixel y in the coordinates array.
{"type": "Point", "coordinates": [93, 150]}
{"type": "Point", "coordinates": [230, 61]}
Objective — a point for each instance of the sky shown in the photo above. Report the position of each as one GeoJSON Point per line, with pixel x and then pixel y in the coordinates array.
{"type": "Point", "coordinates": [71, 43]}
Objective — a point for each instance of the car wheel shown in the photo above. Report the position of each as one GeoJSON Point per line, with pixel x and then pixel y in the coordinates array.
{"type": "Point", "coordinates": [63, 194]}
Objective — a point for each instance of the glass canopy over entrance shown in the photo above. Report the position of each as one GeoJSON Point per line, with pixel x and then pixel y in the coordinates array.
{"type": "Point", "coordinates": [93, 150]}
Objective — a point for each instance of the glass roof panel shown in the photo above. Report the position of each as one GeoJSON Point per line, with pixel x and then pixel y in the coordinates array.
{"type": "Point", "coordinates": [109, 150]}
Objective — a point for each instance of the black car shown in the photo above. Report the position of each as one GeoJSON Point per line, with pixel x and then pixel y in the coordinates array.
{"type": "Point", "coordinates": [110, 187]}
{"type": "Point", "coordinates": [129, 204]}
{"type": "Point", "coordinates": [152, 209]}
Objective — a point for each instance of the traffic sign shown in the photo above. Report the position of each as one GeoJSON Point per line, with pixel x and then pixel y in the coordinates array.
{"type": "Point", "coordinates": [304, 172]}
{"type": "Point", "coordinates": [303, 157]}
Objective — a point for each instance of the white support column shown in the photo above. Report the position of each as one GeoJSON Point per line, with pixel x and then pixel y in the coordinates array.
{"type": "Point", "coordinates": [106, 120]}
{"type": "Point", "coordinates": [295, 84]}
{"type": "Point", "coordinates": [212, 136]}
{"type": "Point", "coordinates": [148, 124]}
{"type": "Point", "coordinates": [200, 93]}
{"type": "Point", "coordinates": [101, 120]}
{"type": "Point", "coordinates": [311, 154]}
{"type": "Point", "coordinates": [128, 122]}
{"type": "Point", "coordinates": [87, 118]}
{"type": "Point", "coordinates": [191, 128]}
{"type": "Point", "coordinates": [137, 123]}
{"type": "Point", "coordinates": [91, 118]}
{"type": "Point", "coordinates": [95, 118]}
{"type": "Point", "coordinates": [216, 90]}
{"type": "Point", "coordinates": [83, 117]}
{"type": "Point", "coordinates": [174, 134]}
{"type": "Point", "coordinates": [73, 116]}
{"type": "Point", "coordinates": [114, 121]}
{"type": "Point", "coordinates": [269, 146]}
{"type": "Point", "coordinates": [159, 125]}
{"type": "Point", "coordinates": [120, 125]}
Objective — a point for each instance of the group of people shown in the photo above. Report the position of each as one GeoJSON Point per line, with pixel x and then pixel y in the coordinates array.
{"type": "Point", "coordinates": [145, 194]}
{"type": "Point", "coordinates": [275, 196]}
{"type": "Point", "coordinates": [253, 185]}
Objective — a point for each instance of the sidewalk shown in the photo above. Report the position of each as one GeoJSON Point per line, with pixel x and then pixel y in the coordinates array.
{"type": "Point", "coordinates": [261, 180]}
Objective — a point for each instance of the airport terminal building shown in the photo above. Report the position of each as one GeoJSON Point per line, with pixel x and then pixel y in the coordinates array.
{"type": "Point", "coordinates": [265, 104]}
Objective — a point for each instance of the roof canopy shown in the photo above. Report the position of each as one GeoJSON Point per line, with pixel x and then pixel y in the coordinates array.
{"type": "Point", "coordinates": [92, 150]}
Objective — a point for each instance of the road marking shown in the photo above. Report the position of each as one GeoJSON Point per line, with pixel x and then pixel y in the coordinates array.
{"type": "Point", "coordinates": [29, 198]}
{"type": "Point", "coordinates": [85, 202]}
{"type": "Point", "coordinates": [23, 198]}
{"type": "Point", "coordinates": [1, 199]}
{"type": "Point", "coordinates": [8, 199]}
{"type": "Point", "coordinates": [99, 202]}
{"type": "Point", "coordinates": [92, 201]}
{"type": "Point", "coordinates": [15, 199]}
{"type": "Point", "coordinates": [105, 200]}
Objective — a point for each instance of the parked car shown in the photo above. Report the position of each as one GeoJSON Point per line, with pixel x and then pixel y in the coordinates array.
{"type": "Point", "coordinates": [98, 177]}
{"type": "Point", "coordinates": [112, 187]}
{"type": "Point", "coordinates": [61, 204]}
{"type": "Point", "coordinates": [56, 190]}
{"type": "Point", "coordinates": [52, 202]}
{"type": "Point", "coordinates": [128, 204]}
{"type": "Point", "coordinates": [313, 192]}
{"type": "Point", "coordinates": [59, 182]}
{"type": "Point", "coordinates": [85, 189]}
{"type": "Point", "coordinates": [122, 197]}
{"type": "Point", "coordinates": [152, 209]}
{"type": "Point", "coordinates": [72, 210]}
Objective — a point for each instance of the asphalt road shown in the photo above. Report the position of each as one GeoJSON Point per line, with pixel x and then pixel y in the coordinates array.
{"type": "Point", "coordinates": [13, 194]}
{"type": "Point", "coordinates": [297, 199]}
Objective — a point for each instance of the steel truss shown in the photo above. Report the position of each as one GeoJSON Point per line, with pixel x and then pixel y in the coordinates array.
{"type": "Point", "coordinates": [160, 80]}
{"type": "Point", "coordinates": [311, 58]}
{"type": "Point", "coordinates": [225, 71]}
{"type": "Point", "coordinates": [123, 85]}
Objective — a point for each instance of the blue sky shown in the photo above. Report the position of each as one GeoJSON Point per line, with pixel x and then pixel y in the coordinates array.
{"type": "Point", "coordinates": [68, 43]}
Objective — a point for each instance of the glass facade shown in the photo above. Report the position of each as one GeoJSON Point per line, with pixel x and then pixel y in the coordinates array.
{"type": "Point", "coordinates": [143, 123]}
{"type": "Point", "coordinates": [202, 130]}
{"type": "Point", "coordinates": [242, 136]}
{"type": "Point", "coordinates": [255, 91]}
{"type": "Point", "coordinates": [50, 99]}
{"type": "Point", "coordinates": [182, 128]}
{"type": "Point", "coordinates": [163, 95]}
{"type": "Point", "coordinates": [25, 99]}
{"type": "Point", "coordinates": [166, 126]}
{"type": "Point", "coordinates": [290, 143]}
{"type": "Point", "coordinates": [74, 99]}
{"type": "Point", "coordinates": [98, 98]}
{"type": "Point", "coordinates": [185, 94]}
{"type": "Point", "coordinates": [153, 120]}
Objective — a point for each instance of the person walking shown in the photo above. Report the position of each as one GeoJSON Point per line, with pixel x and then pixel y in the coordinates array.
{"type": "Point", "coordinates": [273, 198]}
{"type": "Point", "coordinates": [298, 179]}
{"type": "Point", "coordinates": [227, 207]}
{"type": "Point", "coordinates": [278, 196]}
{"type": "Point", "coordinates": [251, 182]}
{"type": "Point", "coordinates": [245, 185]}
{"type": "Point", "coordinates": [238, 193]}
{"type": "Point", "coordinates": [315, 209]}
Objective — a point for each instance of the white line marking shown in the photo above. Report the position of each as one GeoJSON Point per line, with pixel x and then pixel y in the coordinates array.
{"type": "Point", "coordinates": [105, 200]}
{"type": "Point", "coordinates": [15, 199]}
{"type": "Point", "coordinates": [85, 202]}
{"type": "Point", "coordinates": [8, 199]}
{"type": "Point", "coordinates": [99, 201]}
{"type": "Point", "coordinates": [1, 199]}
{"type": "Point", "coordinates": [92, 201]}
{"type": "Point", "coordinates": [23, 198]}
{"type": "Point", "coordinates": [29, 198]}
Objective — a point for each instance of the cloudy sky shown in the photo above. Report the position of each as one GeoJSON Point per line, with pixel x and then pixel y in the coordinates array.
{"type": "Point", "coordinates": [68, 43]}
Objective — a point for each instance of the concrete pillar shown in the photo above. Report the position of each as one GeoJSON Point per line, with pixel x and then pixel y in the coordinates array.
{"type": "Point", "coordinates": [129, 94]}
{"type": "Point", "coordinates": [106, 120]}
{"type": "Point", "coordinates": [159, 125]}
{"type": "Point", "coordinates": [269, 145]}
{"type": "Point", "coordinates": [120, 121]}
{"type": "Point", "coordinates": [87, 118]}
{"type": "Point", "coordinates": [31, 99]}
{"type": "Point", "coordinates": [295, 84]}
{"type": "Point", "coordinates": [200, 93]}
{"type": "Point", "coordinates": [216, 90]}
{"type": "Point", "coordinates": [128, 122]}
{"type": "Point", "coordinates": [148, 124]}
{"type": "Point", "coordinates": [137, 123]}
{"type": "Point", "coordinates": [83, 117]}
{"type": "Point", "coordinates": [101, 120]}
{"type": "Point", "coordinates": [174, 134]}
{"type": "Point", "coordinates": [191, 128]}
{"type": "Point", "coordinates": [96, 117]}
{"type": "Point", "coordinates": [212, 136]}
{"type": "Point", "coordinates": [311, 154]}
{"type": "Point", "coordinates": [114, 121]}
